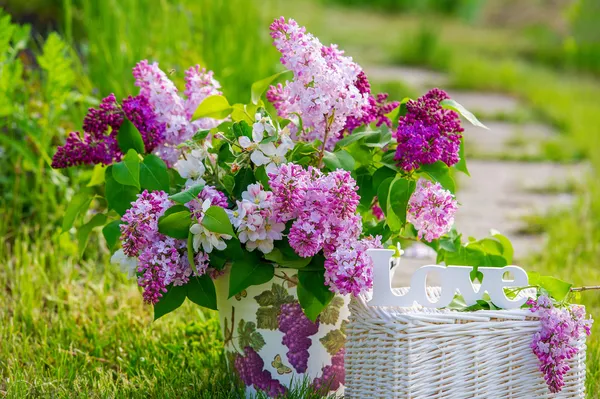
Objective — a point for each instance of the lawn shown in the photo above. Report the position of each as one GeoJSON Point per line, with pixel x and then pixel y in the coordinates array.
{"type": "Point", "coordinates": [73, 326]}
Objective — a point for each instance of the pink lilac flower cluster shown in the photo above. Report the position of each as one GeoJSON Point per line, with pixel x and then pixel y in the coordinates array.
{"type": "Point", "coordinates": [98, 145]}
{"type": "Point", "coordinates": [428, 133]}
{"type": "Point", "coordinates": [255, 221]}
{"type": "Point", "coordinates": [162, 260]}
{"type": "Point", "coordinates": [170, 108]}
{"type": "Point", "coordinates": [431, 210]}
{"type": "Point", "coordinates": [322, 209]}
{"type": "Point", "coordinates": [323, 90]}
{"type": "Point", "coordinates": [556, 342]}
{"type": "Point", "coordinates": [349, 269]}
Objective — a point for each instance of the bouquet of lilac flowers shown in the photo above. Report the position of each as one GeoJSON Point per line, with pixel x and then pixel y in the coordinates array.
{"type": "Point", "coordinates": [194, 186]}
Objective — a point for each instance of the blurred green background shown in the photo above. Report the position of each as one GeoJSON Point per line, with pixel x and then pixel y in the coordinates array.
{"type": "Point", "coordinates": [75, 327]}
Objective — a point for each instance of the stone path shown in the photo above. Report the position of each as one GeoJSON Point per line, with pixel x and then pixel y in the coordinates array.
{"type": "Point", "coordinates": [499, 193]}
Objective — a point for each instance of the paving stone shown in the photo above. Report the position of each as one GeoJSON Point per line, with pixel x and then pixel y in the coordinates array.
{"type": "Point", "coordinates": [418, 78]}
{"type": "Point", "coordinates": [504, 137]}
{"type": "Point", "coordinates": [486, 103]}
{"type": "Point", "coordinates": [496, 196]}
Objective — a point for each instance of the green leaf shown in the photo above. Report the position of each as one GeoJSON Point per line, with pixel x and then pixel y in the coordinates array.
{"type": "Point", "coordinates": [383, 192]}
{"type": "Point", "coordinates": [440, 173]}
{"type": "Point", "coordinates": [78, 206]}
{"type": "Point", "coordinates": [234, 250]}
{"type": "Point", "coordinates": [216, 220]}
{"type": "Point", "coordinates": [331, 313]}
{"type": "Point", "coordinates": [453, 105]}
{"type": "Point", "coordinates": [243, 179]}
{"type": "Point", "coordinates": [175, 223]}
{"type": "Point", "coordinates": [507, 248]}
{"type": "Point", "coordinates": [97, 175]}
{"type": "Point", "coordinates": [127, 172]}
{"type": "Point", "coordinates": [200, 135]}
{"type": "Point", "coordinates": [118, 196]}
{"type": "Point", "coordinates": [333, 341]}
{"type": "Point", "coordinates": [248, 336]}
{"type": "Point", "coordinates": [399, 195]}
{"type": "Point", "coordinates": [240, 113]}
{"type": "Point", "coordinates": [262, 177]}
{"type": "Point", "coordinates": [364, 180]}
{"type": "Point", "coordinates": [248, 271]}
{"type": "Point", "coordinates": [83, 233]}
{"type": "Point", "coordinates": [186, 196]}
{"type": "Point", "coordinates": [154, 175]}
{"type": "Point", "coordinates": [282, 260]}
{"type": "Point", "coordinates": [339, 160]}
{"type": "Point", "coordinates": [380, 175]}
{"type": "Point", "coordinates": [557, 289]}
{"type": "Point", "coordinates": [462, 162]}
{"type": "Point", "coordinates": [201, 291]}
{"type": "Point", "coordinates": [384, 198]}
{"type": "Point", "coordinates": [266, 317]}
{"type": "Point", "coordinates": [354, 137]}
{"type": "Point", "coordinates": [228, 183]}
{"type": "Point", "coordinates": [216, 107]}
{"type": "Point", "coordinates": [382, 139]}
{"type": "Point", "coordinates": [190, 252]}
{"type": "Point", "coordinates": [129, 138]}
{"type": "Point", "coordinates": [313, 294]}
{"type": "Point", "coordinates": [171, 300]}
{"type": "Point", "coordinates": [111, 233]}
{"type": "Point", "coordinates": [260, 86]}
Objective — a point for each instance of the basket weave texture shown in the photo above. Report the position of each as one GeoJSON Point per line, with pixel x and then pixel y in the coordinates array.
{"type": "Point", "coordinates": [423, 353]}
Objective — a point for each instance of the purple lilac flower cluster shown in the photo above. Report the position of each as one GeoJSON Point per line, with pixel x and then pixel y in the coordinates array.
{"type": "Point", "coordinates": [162, 260]}
{"type": "Point", "coordinates": [428, 133]}
{"type": "Point", "coordinates": [170, 108]}
{"type": "Point", "coordinates": [98, 145]}
{"type": "Point", "coordinates": [322, 209]}
{"type": "Point", "coordinates": [431, 210]}
{"type": "Point", "coordinates": [556, 342]}
{"type": "Point", "coordinates": [323, 90]}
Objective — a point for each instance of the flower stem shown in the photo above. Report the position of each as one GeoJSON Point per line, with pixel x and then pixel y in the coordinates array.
{"type": "Point", "coordinates": [585, 288]}
{"type": "Point", "coordinates": [328, 122]}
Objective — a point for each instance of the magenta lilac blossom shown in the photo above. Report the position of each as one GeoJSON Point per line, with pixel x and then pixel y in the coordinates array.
{"type": "Point", "coordinates": [139, 111]}
{"type": "Point", "coordinates": [98, 144]}
{"type": "Point", "coordinates": [428, 133]}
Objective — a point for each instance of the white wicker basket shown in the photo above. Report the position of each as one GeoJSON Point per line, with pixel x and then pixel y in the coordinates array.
{"type": "Point", "coordinates": [420, 353]}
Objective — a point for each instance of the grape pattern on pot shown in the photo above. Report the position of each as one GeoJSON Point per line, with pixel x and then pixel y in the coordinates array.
{"type": "Point", "coordinates": [332, 375]}
{"type": "Point", "coordinates": [251, 370]}
{"type": "Point", "coordinates": [297, 329]}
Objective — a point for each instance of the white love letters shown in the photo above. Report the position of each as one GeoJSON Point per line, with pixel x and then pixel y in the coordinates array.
{"type": "Point", "coordinates": [454, 278]}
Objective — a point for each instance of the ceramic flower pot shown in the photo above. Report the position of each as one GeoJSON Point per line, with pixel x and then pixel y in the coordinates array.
{"type": "Point", "coordinates": [271, 345]}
